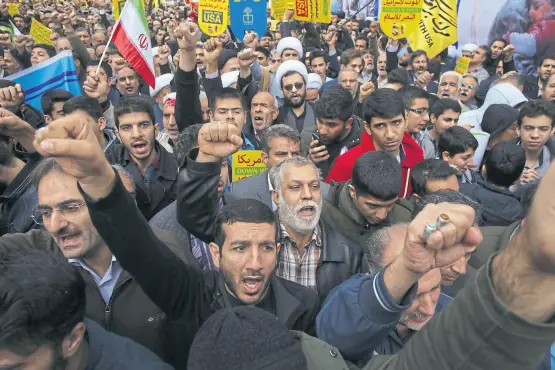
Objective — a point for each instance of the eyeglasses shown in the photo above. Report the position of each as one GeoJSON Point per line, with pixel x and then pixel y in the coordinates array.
{"type": "Point", "coordinates": [67, 211]}
{"type": "Point", "coordinates": [468, 86]}
{"type": "Point", "coordinates": [297, 85]}
{"type": "Point", "coordinates": [419, 111]}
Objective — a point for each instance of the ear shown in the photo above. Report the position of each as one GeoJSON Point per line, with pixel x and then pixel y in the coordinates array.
{"type": "Point", "coordinates": [264, 158]}
{"type": "Point", "coordinates": [484, 172]}
{"type": "Point", "coordinates": [215, 253]}
{"type": "Point", "coordinates": [433, 118]}
{"type": "Point", "coordinates": [275, 113]}
{"type": "Point", "coordinates": [367, 128]}
{"type": "Point", "coordinates": [156, 129]}
{"type": "Point", "coordinates": [352, 191]}
{"type": "Point", "coordinates": [211, 115]}
{"type": "Point", "coordinates": [72, 342]}
{"type": "Point", "coordinates": [102, 123]}
{"type": "Point", "coordinates": [445, 156]}
{"type": "Point", "coordinates": [517, 131]}
{"type": "Point", "coordinates": [48, 119]}
{"type": "Point", "coordinates": [349, 122]}
{"type": "Point", "coordinates": [275, 197]}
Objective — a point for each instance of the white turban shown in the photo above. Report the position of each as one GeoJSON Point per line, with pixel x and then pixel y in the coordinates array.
{"type": "Point", "coordinates": [314, 81]}
{"type": "Point", "coordinates": [291, 65]}
{"type": "Point", "coordinates": [290, 43]}
{"type": "Point", "coordinates": [160, 83]}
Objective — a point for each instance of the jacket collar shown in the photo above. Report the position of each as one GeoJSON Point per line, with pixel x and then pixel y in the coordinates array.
{"type": "Point", "coordinates": [22, 179]}
{"type": "Point", "coordinates": [413, 152]}
{"type": "Point", "coordinates": [288, 307]}
{"type": "Point", "coordinates": [167, 166]}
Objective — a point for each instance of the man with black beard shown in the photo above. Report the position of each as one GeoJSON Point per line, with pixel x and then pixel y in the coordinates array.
{"type": "Point", "coordinates": [328, 257]}
{"type": "Point", "coordinates": [296, 112]}
{"type": "Point", "coordinates": [337, 129]}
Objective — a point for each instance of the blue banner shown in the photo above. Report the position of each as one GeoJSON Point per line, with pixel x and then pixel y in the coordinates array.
{"type": "Point", "coordinates": [247, 16]}
{"type": "Point", "coordinates": [55, 73]}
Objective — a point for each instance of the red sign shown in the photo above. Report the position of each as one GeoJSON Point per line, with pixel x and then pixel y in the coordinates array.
{"type": "Point", "coordinates": [301, 8]}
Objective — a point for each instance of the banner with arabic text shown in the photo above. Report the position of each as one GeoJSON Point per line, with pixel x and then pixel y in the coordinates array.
{"type": "Point", "coordinates": [318, 11]}
{"type": "Point", "coordinates": [246, 163]}
{"type": "Point", "coordinates": [399, 18]}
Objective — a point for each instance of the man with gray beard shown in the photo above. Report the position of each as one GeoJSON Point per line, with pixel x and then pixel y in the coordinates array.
{"type": "Point", "coordinates": [312, 253]}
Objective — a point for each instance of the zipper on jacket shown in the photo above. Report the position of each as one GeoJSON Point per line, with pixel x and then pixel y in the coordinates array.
{"type": "Point", "coordinates": [108, 308]}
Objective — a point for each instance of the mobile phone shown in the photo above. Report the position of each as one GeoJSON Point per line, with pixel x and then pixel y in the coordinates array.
{"type": "Point", "coordinates": [316, 137]}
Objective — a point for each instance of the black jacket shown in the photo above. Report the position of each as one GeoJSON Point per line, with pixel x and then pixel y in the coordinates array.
{"type": "Point", "coordinates": [500, 206]}
{"type": "Point", "coordinates": [19, 200]}
{"type": "Point", "coordinates": [156, 189]}
{"type": "Point", "coordinates": [340, 211]}
{"type": "Point", "coordinates": [129, 313]}
{"type": "Point", "coordinates": [186, 296]}
{"type": "Point", "coordinates": [340, 259]}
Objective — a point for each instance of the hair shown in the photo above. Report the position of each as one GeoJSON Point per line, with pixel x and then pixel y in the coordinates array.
{"type": "Point", "coordinates": [112, 52]}
{"type": "Point", "coordinates": [442, 105]}
{"type": "Point", "coordinates": [276, 172]}
{"type": "Point", "coordinates": [317, 54]}
{"type": "Point", "coordinates": [335, 102]}
{"type": "Point", "coordinates": [186, 140]}
{"type": "Point", "coordinates": [472, 77]}
{"type": "Point", "coordinates": [377, 244]}
{"type": "Point", "coordinates": [263, 50]}
{"type": "Point", "coordinates": [84, 103]}
{"type": "Point", "coordinates": [487, 51]}
{"type": "Point", "coordinates": [279, 130]}
{"type": "Point", "coordinates": [348, 55]}
{"type": "Point", "coordinates": [527, 198]}
{"type": "Point", "coordinates": [505, 163]}
{"type": "Point", "coordinates": [104, 65]}
{"type": "Point", "coordinates": [418, 53]}
{"type": "Point", "coordinates": [412, 93]}
{"type": "Point", "coordinates": [377, 174]}
{"type": "Point", "coordinates": [451, 74]}
{"type": "Point", "coordinates": [399, 76]}
{"type": "Point", "coordinates": [42, 298]}
{"type": "Point", "coordinates": [456, 140]}
{"type": "Point", "coordinates": [49, 98]}
{"type": "Point", "coordinates": [536, 108]}
{"type": "Point", "coordinates": [241, 210]}
{"type": "Point", "coordinates": [133, 104]}
{"type": "Point", "coordinates": [447, 196]}
{"type": "Point", "coordinates": [363, 39]}
{"type": "Point", "coordinates": [50, 50]}
{"type": "Point", "coordinates": [227, 93]}
{"type": "Point", "coordinates": [384, 103]}
{"type": "Point", "coordinates": [443, 55]}
{"type": "Point", "coordinates": [544, 58]}
{"type": "Point", "coordinates": [514, 79]}
{"type": "Point", "coordinates": [429, 169]}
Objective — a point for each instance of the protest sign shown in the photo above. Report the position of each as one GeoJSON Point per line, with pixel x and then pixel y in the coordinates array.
{"type": "Point", "coordinates": [437, 28]}
{"type": "Point", "coordinates": [247, 16]}
{"type": "Point", "coordinates": [318, 11]}
{"type": "Point", "coordinates": [246, 163]}
{"type": "Point", "coordinates": [213, 16]}
{"type": "Point", "coordinates": [13, 8]}
{"type": "Point", "coordinates": [280, 6]}
{"type": "Point", "coordinates": [40, 33]}
{"type": "Point", "coordinates": [462, 65]}
{"type": "Point", "coordinates": [398, 18]}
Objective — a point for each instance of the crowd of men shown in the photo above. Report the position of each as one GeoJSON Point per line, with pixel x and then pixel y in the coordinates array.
{"type": "Point", "coordinates": [125, 244]}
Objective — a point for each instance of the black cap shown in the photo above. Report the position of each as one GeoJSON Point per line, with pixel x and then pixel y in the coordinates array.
{"type": "Point", "coordinates": [497, 118]}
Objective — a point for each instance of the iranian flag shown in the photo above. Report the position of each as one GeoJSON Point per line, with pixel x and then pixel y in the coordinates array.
{"type": "Point", "coordinates": [132, 38]}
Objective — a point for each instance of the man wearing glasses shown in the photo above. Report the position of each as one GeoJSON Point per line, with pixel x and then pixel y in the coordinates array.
{"type": "Point", "coordinates": [467, 91]}
{"type": "Point", "coordinates": [114, 299]}
{"type": "Point", "coordinates": [418, 118]}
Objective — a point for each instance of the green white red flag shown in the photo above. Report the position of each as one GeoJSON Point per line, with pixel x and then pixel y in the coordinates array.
{"type": "Point", "coordinates": [132, 38]}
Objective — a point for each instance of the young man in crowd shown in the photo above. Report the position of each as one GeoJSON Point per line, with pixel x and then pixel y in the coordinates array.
{"type": "Point", "coordinates": [432, 175]}
{"type": "Point", "coordinates": [444, 113]}
{"type": "Point", "coordinates": [52, 104]}
{"type": "Point", "coordinates": [456, 146]}
{"type": "Point", "coordinates": [385, 129]}
{"type": "Point", "coordinates": [97, 86]}
{"type": "Point", "coordinates": [337, 129]}
{"type": "Point", "coordinates": [417, 107]}
{"type": "Point", "coordinates": [502, 168]}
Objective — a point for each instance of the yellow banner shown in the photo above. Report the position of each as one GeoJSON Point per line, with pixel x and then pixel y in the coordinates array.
{"type": "Point", "coordinates": [280, 6]}
{"type": "Point", "coordinates": [12, 8]}
{"type": "Point", "coordinates": [462, 65]}
{"type": "Point", "coordinates": [119, 4]}
{"type": "Point", "coordinates": [213, 16]}
{"type": "Point", "coordinates": [40, 33]}
{"type": "Point", "coordinates": [318, 11]}
{"type": "Point", "coordinates": [437, 28]}
{"type": "Point", "coordinates": [246, 163]}
{"type": "Point", "coordinates": [399, 18]}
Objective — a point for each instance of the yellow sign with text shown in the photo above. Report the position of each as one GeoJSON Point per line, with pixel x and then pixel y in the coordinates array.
{"type": "Point", "coordinates": [437, 28]}
{"type": "Point", "coordinates": [213, 16]}
{"type": "Point", "coordinates": [462, 65]}
{"type": "Point", "coordinates": [280, 6]}
{"type": "Point", "coordinates": [246, 163]}
{"type": "Point", "coordinates": [40, 33]}
{"type": "Point", "coordinates": [318, 11]}
{"type": "Point", "coordinates": [13, 8]}
{"type": "Point", "coordinates": [398, 18]}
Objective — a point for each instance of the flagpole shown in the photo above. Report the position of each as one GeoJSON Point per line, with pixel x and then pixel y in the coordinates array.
{"type": "Point", "coordinates": [107, 45]}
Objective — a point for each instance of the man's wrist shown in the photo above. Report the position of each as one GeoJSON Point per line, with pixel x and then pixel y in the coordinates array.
{"type": "Point", "coordinates": [399, 279]}
{"type": "Point", "coordinates": [98, 187]}
{"type": "Point", "coordinates": [206, 158]}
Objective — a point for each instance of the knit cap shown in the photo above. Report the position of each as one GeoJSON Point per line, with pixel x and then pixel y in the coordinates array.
{"type": "Point", "coordinates": [245, 338]}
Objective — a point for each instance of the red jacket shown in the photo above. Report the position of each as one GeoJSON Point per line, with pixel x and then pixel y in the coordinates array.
{"type": "Point", "coordinates": [343, 167]}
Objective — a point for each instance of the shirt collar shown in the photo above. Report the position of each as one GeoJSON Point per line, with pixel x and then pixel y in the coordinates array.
{"type": "Point", "coordinates": [80, 262]}
{"type": "Point", "coordinates": [316, 235]}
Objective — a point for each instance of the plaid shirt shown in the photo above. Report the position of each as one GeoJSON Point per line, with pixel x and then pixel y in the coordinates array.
{"type": "Point", "coordinates": [300, 266]}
